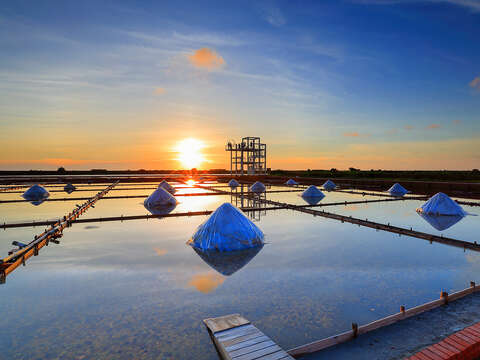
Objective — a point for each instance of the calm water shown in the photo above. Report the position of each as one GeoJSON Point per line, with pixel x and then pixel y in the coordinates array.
{"type": "Point", "coordinates": [134, 289]}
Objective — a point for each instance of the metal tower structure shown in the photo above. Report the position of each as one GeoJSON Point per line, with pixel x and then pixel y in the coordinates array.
{"type": "Point", "coordinates": [248, 157]}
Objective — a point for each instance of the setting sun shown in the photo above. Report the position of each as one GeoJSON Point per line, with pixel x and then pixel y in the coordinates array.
{"type": "Point", "coordinates": [190, 153]}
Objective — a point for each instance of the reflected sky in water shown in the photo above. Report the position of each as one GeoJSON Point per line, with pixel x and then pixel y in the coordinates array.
{"type": "Point", "coordinates": [135, 289]}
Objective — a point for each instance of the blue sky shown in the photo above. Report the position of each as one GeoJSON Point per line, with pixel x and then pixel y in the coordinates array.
{"type": "Point", "coordinates": [363, 83]}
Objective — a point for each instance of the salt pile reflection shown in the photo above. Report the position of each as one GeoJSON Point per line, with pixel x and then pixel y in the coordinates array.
{"type": "Point", "coordinates": [228, 263]}
{"type": "Point", "coordinates": [441, 222]}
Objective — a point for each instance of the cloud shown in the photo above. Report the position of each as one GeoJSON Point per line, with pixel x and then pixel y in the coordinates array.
{"type": "Point", "coordinates": [160, 252]}
{"type": "Point", "coordinates": [475, 83]}
{"type": "Point", "coordinates": [456, 122]}
{"type": "Point", "coordinates": [159, 91]}
{"type": "Point", "coordinates": [274, 16]}
{"type": "Point", "coordinates": [408, 127]}
{"type": "Point", "coordinates": [351, 134]}
{"type": "Point", "coordinates": [433, 126]}
{"type": "Point", "coordinates": [206, 58]}
{"type": "Point", "coordinates": [355, 134]}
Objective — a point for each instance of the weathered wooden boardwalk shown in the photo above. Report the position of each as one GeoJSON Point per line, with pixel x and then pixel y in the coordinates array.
{"type": "Point", "coordinates": [25, 251]}
{"type": "Point", "coordinates": [235, 338]}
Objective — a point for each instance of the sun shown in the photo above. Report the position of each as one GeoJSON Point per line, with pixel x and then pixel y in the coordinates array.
{"type": "Point", "coordinates": [190, 153]}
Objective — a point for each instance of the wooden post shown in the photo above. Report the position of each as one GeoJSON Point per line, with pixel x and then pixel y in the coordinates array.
{"type": "Point", "coordinates": [472, 284]}
{"type": "Point", "coordinates": [35, 250]}
{"type": "Point", "coordinates": [3, 277]}
{"type": "Point", "coordinates": [355, 329]}
{"type": "Point", "coordinates": [402, 309]}
{"type": "Point", "coordinates": [444, 296]}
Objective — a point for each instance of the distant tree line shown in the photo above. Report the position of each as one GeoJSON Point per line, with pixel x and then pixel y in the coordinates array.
{"type": "Point", "coordinates": [354, 173]}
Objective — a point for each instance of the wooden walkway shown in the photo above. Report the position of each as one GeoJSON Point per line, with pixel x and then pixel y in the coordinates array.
{"type": "Point", "coordinates": [235, 338]}
{"type": "Point", "coordinates": [10, 188]}
{"type": "Point", "coordinates": [25, 251]}
{"type": "Point", "coordinates": [464, 344]}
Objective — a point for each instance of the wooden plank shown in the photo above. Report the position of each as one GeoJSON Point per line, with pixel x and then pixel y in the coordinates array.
{"type": "Point", "coordinates": [227, 343]}
{"type": "Point", "coordinates": [242, 344]}
{"type": "Point", "coordinates": [260, 353]}
{"type": "Point", "coordinates": [321, 344]}
{"type": "Point", "coordinates": [251, 348]}
{"type": "Point", "coordinates": [225, 322]}
{"type": "Point", "coordinates": [235, 338]}
{"type": "Point", "coordinates": [241, 331]}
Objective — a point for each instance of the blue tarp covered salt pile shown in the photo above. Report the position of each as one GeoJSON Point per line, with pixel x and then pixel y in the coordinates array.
{"type": "Point", "coordinates": [233, 183]}
{"type": "Point", "coordinates": [329, 185]}
{"type": "Point", "coordinates": [165, 185]}
{"type": "Point", "coordinates": [227, 229]}
{"type": "Point", "coordinates": [36, 193]}
{"type": "Point", "coordinates": [441, 204]}
{"type": "Point", "coordinates": [258, 187]}
{"type": "Point", "coordinates": [160, 202]}
{"type": "Point", "coordinates": [69, 188]}
{"type": "Point", "coordinates": [291, 182]}
{"type": "Point", "coordinates": [312, 195]}
{"type": "Point", "coordinates": [441, 212]}
{"type": "Point", "coordinates": [228, 262]}
{"type": "Point", "coordinates": [397, 190]}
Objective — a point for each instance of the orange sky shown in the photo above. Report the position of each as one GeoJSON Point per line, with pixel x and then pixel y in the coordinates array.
{"type": "Point", "coordinates": [126, 94]}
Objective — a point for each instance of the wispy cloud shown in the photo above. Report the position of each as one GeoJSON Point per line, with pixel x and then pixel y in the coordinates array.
{"type": "Point", "coordinates": [475, 83]}
{"type": "Point", "coordinates": [160, 252]}
{"type": "Point", "coordinates": [355, 134]}
{"type": "Point", "coordinates": [159, 91]}
{"type": "Point", "coordinates": [272, 14]}
{"type": "Point", "coordinates": [433, 126]}
{"type": "Point", "coordinates": [408, 127]}
{"type": "Point", "coordinates": [456, 122]}
{"type": "Point", "coordinates": [207, 59]}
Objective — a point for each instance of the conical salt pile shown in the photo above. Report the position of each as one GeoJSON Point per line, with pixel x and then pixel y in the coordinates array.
{"type": "Point", "coordinates": [233, 183]}
{"type": "Point", "coordinates": [291, 182]}
{"type": "Point", "coordinates": [167, 187]}
{"type": "Point", "coordinates": [441, 204]}
{"type": "Point", "coordinates": [312, 200]}
{"type": "Point", "coordinates": [258, 187]}
{"type": "Point", "coordinates": [312, 192]}
{"type": "Point", "coordinates": [69, 188]}
{"type": "Point", "coordinates": [227, 229]}
{"type": "Point", "coordinates": [397, 190]}
{"type": "Point", "coordinates": [329, 185]}
{"type": "Point", "coordinates": [36, 192]}
{"type": "Point", "coordinates": [160, 198]}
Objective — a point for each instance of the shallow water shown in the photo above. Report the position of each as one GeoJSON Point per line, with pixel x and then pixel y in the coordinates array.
{"type": "Point", "coordinates": [134, 289]}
